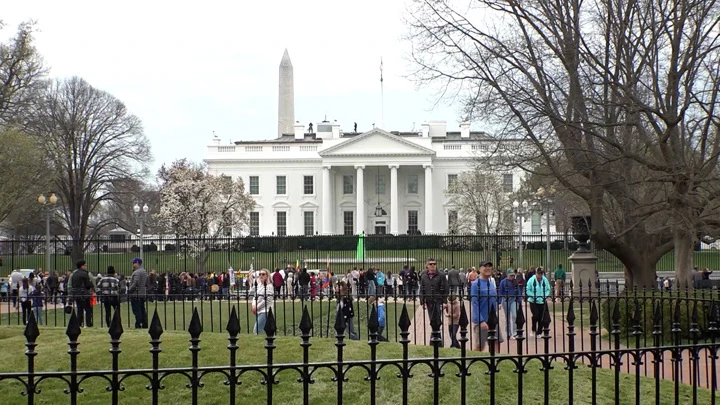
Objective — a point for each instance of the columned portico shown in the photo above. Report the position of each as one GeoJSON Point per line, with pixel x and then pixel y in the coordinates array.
{"type": "Point", "coordinates": [428, 199]}
{"type": "Point", "coordinates": [327, 201]}
{"type": "Point", "coordinates": [393, 199]}
{"type": "Point", "coordinates": [360, 187]}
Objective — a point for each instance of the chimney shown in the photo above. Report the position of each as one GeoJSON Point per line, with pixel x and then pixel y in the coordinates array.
{"type": "Point", "coordinates": [465, 130]}
{"type": "Point", "coordinates": [299, 131]}
{"type": "Point", "coordinates": [425, 129]}
{"type": "Point", "coordinates": [335, 129]}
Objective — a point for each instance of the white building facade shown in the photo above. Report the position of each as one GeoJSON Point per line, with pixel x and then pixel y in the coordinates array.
{"type": "Point", "coordinates": [376, 182]}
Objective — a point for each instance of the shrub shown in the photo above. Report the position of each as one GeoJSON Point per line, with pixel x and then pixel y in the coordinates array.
{"type": "Point", "coordinates": [135, 248]}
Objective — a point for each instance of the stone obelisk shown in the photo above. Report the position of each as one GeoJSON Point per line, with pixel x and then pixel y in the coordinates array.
{"type": "Point", "coordinates": [286, 97]}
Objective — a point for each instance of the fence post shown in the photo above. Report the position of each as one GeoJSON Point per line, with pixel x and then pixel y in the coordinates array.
{"type": "Point", "coordinates": [373, 327]}
{"type": "Point", "coordinates": [155, 331]}
{"type": "Point", "coordinates": [339, 377]}
{"type": "Point", "coordinates": [31, 334]}
{"type": "Point", "coordinates": [571, 366]}
{"type": "Point", "coordinates": [520, 367]}
{"type": "Point", "coordinates": [638, 360]}
{"type": "Point", "coordinates": [435, 341]}
{"type": "Point", "coordinates": [233, 328]}
{"type": "Point", "coordinates": [593, 348]}
{"type": "Point", "coordinates": [73, 332]}
{"type": "Point", "coordinates": [713, 330]}
{"type": "Point", "coordinates": [463, 373]}
{"type": "Point", "coordinates": [694, 354]}
{"type": "Point", "coordinates": [270, 329]}
{"type": "Point", "coordinates": [492, 324]}
{"type": "Point", "coordinates": [547, 360]}
{"type": "Point", "coordinates": [676, 352]}
{"type": "Point", "coordinates": [195, 329]}
{"type": "Point", "coordinates": [617, 356]}
{"type": "Point", "coordinates": [115, 330]}
{"type": "Point", "coordinates": [657, 343]}
{"type": "Point", "coordinates": [306, 327]}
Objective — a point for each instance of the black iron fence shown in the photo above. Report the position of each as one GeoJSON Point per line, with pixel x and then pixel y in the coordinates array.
{"type": "Point", "coordinates": [671, 337]}
{"type": "Point", "coordinates": [387, 251]}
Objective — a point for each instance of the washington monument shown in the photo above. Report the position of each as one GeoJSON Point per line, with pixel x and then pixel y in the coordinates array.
{"type": "Point", "coordinates": [286, 97]}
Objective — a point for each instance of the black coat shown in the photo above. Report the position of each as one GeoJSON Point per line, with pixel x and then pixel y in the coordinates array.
{"type": "Point", "coordinates": [433, 291]}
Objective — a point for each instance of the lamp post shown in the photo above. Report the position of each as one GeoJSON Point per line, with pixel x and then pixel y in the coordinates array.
{"type": "Point", "coordinates": [544, 199]}
{"type": "Point", "coordinates": [140, 217]}
{"type": "Point", "coordinates": [521, 211]}
{"type": "Point", "coordinates": [48, 209]}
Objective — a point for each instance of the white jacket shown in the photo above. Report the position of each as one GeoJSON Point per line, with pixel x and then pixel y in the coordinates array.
{"type": "Point", "coordinates": [263, 300]}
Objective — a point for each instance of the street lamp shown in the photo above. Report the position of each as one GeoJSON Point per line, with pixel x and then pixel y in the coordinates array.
{"type": "Point", "coordinates": [521, 213]}
{"type": "Point", "coordinates": [48, 209]}
{"type": "Point", "coordinates": [140, 217]}
{"type": "Point", "coordinates": [545, 201]}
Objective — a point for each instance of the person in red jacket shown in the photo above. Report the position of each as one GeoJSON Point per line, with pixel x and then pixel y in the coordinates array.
{"type": "Point", "coordinates": [278, 282]}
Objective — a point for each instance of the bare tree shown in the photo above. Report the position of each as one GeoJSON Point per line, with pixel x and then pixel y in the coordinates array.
{"type": "Point", "coordinates": [618, 100]}
{"type": "Point", "coordinates": [126, 193]}
{"type": "Point", "coordinates": [92, 140]}
{"type": "Point", "coordinates": [480, 201]}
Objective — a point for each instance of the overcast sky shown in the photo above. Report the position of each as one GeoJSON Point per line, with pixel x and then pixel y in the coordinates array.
{"type": "Point", "coordinates": [189, 70]}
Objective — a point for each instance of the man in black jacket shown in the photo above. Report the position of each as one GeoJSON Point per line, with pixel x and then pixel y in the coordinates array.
{"type": "Point", "coordinates": [82, 288]}
{"type": "Point", "coordinates": [52, 287]}
{"type": "Point", "coordinates": [433, 291]}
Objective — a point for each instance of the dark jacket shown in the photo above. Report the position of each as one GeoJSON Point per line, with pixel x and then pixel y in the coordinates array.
{"type": "Point", "coordinates": [433, 290]}
{"type": "Point", "coordinates": [347, 308]}
{"type": "Point", "coordinates": [454, 278]}
{"type": "Point", "coordinates": [52, 282]}
{"type": "Point", "coordinates": [303, 279]}
{"type": "Point", "coordinates": [81, 283]}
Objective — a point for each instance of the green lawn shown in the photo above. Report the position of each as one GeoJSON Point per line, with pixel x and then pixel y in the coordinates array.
{"type": "Point", "coordinates": [218, 261]}
{"type": "Point", "coordinates": [176, 315]}
{"type": "Point", "coordinates": [94, 346]}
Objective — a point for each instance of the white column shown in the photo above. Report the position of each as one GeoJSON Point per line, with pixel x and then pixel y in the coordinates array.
{"type": "Point", "coordinates": [394, 216]}
{"type": "Point", "coordinates": [327, 208]}
{"type": "Point", "coordinates": [428, 199]}
{"type": "Point", "coordinates": [360, 193]}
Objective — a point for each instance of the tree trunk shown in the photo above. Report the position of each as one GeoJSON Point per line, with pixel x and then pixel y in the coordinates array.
{"type": "Point", "coordinates": [684, 246]}
{"type": "Point", "coordinates": [76, 251]}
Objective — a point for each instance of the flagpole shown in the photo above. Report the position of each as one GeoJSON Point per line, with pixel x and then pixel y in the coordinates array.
{"type": "Point", "coordinates": [382, 97]}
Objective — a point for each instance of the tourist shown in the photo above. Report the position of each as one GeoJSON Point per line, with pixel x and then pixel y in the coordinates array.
{"type": "Point", "coordinates": [52, 287]}
{"type": "Point", "coordinates": [4, 287]}
{"type": "Point", "coordinates": [37, 298]}
{"type": "Point", "coordinates": [138, 293]}
{"type": "Point", "coordinates": [413, 280]}
{"type": "Point", "coordinates": [483, 293]}
{"type": "Point", "coordinates": [471, 277]}
{"type": "Point", "coordinates": [24, 297]}
{"type": "Point", "coordinates": [16, 279]}
{"type": "Point", "coordinates": [452, 314]}
{"type": "Point", "coordinates": [380, 310]}
{"type": "Point", "coordinates": [433, 291]}
{"type": "Point", "coordinates": [454, 280]}
{"type": "Point", "coordinates": [82, 289]}
{"type": "Point", "coordinates": [370, 280]}
{"type": "Point", "coordinates": [510, 296]}
{"type": "Point", "coordinates": [380, 281]}
{"type": "Point", "coordinates": [109, 290]}
{"type": "Point", "coordinates": [303, 282]}
{"type": "Point", "coordinates": [345, 306]}
{"type": "Point", "coordinates": [537, 291]}
{"type": "Point", "coordinates": [277, 281]}
{"type": "Point", "coordinates": [263, 301]}
{"type": "Point", "coordinates": [559, 282]}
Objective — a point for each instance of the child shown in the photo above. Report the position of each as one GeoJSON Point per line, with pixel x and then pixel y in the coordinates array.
{"type": "Point", "coordinates": [381, 317]}
{"type": "Point", "coordinates": [452, 313]}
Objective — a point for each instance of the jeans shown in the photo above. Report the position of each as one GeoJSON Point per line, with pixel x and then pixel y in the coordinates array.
{"type": "Point", "coordinates": [138, 308]}
{"type": "Point", "coordinates": [260, 323]}
{"type": "Point", "coordinates": [453, 330]}
{"type": "Point", "coordinates": [225, 292]}
{"type": "Point", "coordinates": [510, 307]}
{"type": "Point", "coordinates": [371, 289]}
{"type": "Point", "coordinates": [83, 306]}
{"type": "Point", "coordinates": [350, 327]}
{"type": "Point", "coordinates": [38, 314]}
{"type": "Point", "coordinates": [110, 303]}
{"type": "Point", "coordinates": [304, 292]}
{"type": "Point", "coordinates": [26, 307]}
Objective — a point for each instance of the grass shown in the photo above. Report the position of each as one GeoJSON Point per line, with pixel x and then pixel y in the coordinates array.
{"type": "Point", "coordinates": [94, 356]}
{"type": "Point", "coordinates": [214, 315]}
{"type": "Point", "coordinates": [218, 261]}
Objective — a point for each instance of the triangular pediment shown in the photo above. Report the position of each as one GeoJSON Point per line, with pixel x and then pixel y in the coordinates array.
{"type": "Point", "coordinates": [377, 143]}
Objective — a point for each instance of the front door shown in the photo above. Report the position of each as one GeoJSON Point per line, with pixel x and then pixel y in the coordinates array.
{"type": "Point", "coordinates": [380, 227]}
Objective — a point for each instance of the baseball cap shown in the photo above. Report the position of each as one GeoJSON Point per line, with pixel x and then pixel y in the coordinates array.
{"type": "Point", "coordinates": [137, 260]}
{"type": "Point", "coordinates": [486, 264]}
{"type": "Point", "coordinates": [510, 272]}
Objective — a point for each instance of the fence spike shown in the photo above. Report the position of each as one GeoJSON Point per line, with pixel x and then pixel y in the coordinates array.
{"type": "Point", "coordinates": [464, 321]}
{"type": "Point", "coordinates": [73, 328]}
{"type": "Point", "coordinates": [657, 314]}
{"type": "Point", "coordinates": [616, 312]}
{"type": "Point", "coordinates": [155, 330]}
{"type": "Point", "coordinates": [520, 318]}
{"type": "Point", "coordinates": [546, 317]}
{"type": "Point", "coordinates": [116, 329]}
{"type": "Point", "coordinates": [373, 324]}
{"type": "Point", "coordinates": [571, 312]}
{"type": "Point", "coordinates": [270, 326]}
{"type": "Point", "coordinates": [195, 328]}
{"type": "Point", "coordinates": [676, 313]}
{"type": "Point", "coordinates": [31, 329]}
{"type": "Point", "coordinates": [694, 314]}
{"type": "Point", "coordinates": [306, 324]}
{"type": "Point", "coordinates": [339, 323]}
{"type": "Point", "coordinates": [404, 322]}
{"type": "Point", "coordinates": [233, 325]}
{"type": "Point", "coordinates": [436, 318]}
{"type": "Point", "coordinates": [593, 313]}
{"type": "Point", "coordinates": [637, 313]}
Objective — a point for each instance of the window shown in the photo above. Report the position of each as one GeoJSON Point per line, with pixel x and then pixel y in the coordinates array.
{"type": "Point", "coordinates": [412, 184]}
{"type": "Point", "coordinates": [254, 223]}
{"type": "Point", "coordinates": [117, 238]}
{"type": "Point", "coordinates": [348, 184]}
{"type": "Point", "coordinates": [254, 185]}
{"type": "Point", "coordinates": [348, 223]}
{"type": "Point", "coordinates": [281, 223]}
{"type": "Point", "coordinates": [535, 225]}
{"type": "Point", "coordinates": [309, 220]}
{"type": "Point", "coordinates": [508, 183]}
{"type": "Point", "coordinates": [452, 221]}
{"type": "Point", "coordinates": [452, 178]}
{"type": "Point", "coordinates": [380, 184]}
{"type": "Point", "coordinates": [308, 185]}
{"type": "Point", "coordinates": [412, 222]}
{"type": "Point", "coordinates": [280, 185]}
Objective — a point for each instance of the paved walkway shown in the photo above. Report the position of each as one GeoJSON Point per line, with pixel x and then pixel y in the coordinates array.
{"type": "Point", "coordinates": [559, 343]}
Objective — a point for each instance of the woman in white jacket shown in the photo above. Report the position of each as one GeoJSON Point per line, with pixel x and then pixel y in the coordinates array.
{"type": "Point", "coordinates": [263, 301]}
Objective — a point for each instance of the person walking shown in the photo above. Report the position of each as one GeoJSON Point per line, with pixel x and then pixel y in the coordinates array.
{"type": "Point", "coordinates": [16, 279]}
{"type": "Point", "coordinates": [277, 281]}
{"type": "Point", "coordinates": [37, 298]}
{"type": "Point", "coordinates": [138, 293]}
{"type": "Point", "coordinates": [452, 315]}
{"type": "Point", "coordinates": [484, 300]}
{"type": "Point", "coordinates": [454, 280]}
{"type": "Point", "coordinates": [109, 290]}
{"type": "Point", "coordinates": [433, 291]}
{"type": "Point", "coordinates": [510, 296]}
{"type": "Point", "coordinates": [52, 287]}
{"type": "Point", "coordinates": [345, 306]}
{"type": "Point", "coordinates": [82, 289]}
{"type": "Point", "coordinates": [263, 302]}
{"type": "Point", "coordinates": [24, 296]}
{"type": "Point", "coordinates": [537, 290]}
{"type": "Point", "coordinates": [559, 282]}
